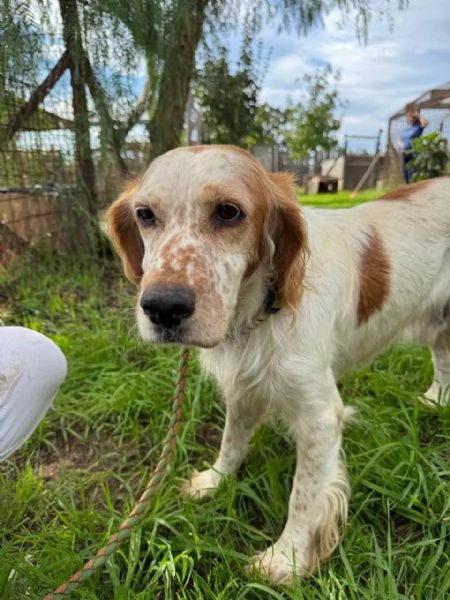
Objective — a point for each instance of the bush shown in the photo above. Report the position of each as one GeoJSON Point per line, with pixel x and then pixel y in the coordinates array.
{"type": "Point", "coordinates": [431, 158]}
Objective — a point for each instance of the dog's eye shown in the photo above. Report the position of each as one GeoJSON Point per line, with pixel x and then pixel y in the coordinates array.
{"type": "Point", "coordinates": [227, 213]}
{"type": "Point", "coordinates": [146, 216]}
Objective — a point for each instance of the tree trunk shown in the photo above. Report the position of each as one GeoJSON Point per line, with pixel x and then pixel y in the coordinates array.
{"type": "Point", "coordinates": [189, 107]}
{"type": "Point", "coordinates": [316, 163]}
{"type": "Point", "coordinates": [84, 161]}
{"type": "Point", "coordinates": [167, 121]}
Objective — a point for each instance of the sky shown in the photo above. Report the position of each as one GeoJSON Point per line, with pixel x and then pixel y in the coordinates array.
{"type": "Point", "coordinates": [378, 78]}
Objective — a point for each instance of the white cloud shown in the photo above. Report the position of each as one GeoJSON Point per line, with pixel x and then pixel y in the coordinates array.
{"type": "Point", "coordinates": [378, 78]}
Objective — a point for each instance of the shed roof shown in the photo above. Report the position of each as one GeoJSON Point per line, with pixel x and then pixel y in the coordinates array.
{"type": "Point", "coordinates": [435, 98]}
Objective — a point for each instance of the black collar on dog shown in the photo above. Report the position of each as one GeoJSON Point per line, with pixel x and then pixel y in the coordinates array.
{"type": "Point", "coordinates": [268, 308]}
{"type": "Point", "coordinates": [270, 302]}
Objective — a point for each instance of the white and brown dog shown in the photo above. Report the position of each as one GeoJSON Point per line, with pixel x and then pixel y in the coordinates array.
{"type": "Point", "coordinates": [282, 300]}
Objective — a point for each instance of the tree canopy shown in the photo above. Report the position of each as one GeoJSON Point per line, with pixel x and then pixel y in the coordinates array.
{"type": "Point", "coordinates": [314, 121]}
{"type": "Point", "coordinates": [228, 100]}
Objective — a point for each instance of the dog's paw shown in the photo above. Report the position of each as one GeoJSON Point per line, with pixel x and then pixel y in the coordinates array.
{"type": "Point", "coordinates": [279, 563]}
{"type": "Point", "coordinates": [201, 484]}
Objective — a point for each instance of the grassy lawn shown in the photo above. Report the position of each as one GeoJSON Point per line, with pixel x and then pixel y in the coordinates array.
{"type": "Point", "coordinates": [70, 486]}
{"type": "Point", "coordinates": [340, 199]}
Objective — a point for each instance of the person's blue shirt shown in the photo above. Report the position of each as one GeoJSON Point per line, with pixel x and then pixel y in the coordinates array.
{"type": "Point", "coordinates": [409, 134]}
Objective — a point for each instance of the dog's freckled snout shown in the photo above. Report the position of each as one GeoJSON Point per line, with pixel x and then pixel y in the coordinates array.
{"type": "Point", "coordinates": [168, 306]}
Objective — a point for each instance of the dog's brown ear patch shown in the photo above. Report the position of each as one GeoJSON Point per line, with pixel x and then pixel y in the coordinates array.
{"type": "Point", "coordinates": [374, 277]}
{"type": "Point", "coordinates": [124, 233]}
{"type": "Point", "coordinates": [288, 231]}
{"type": "Point", "coordinates": [405, 192]}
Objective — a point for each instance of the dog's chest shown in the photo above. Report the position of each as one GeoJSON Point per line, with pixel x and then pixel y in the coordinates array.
{"type": "Point", "coordinates": [249, 366]}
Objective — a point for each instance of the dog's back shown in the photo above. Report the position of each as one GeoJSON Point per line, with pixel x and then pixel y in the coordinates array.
{"type": "Point", "coordinates": [387, 266]}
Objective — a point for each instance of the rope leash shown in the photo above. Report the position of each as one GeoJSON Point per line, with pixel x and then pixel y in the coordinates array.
{"type": "Point", "coordinates": [136, 515]}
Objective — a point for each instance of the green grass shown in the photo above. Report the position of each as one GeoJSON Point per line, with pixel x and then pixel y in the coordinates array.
{"type": "Point", "coordinates": [71, 484]}
{"type": "Point", "coordinates": [340, 199]}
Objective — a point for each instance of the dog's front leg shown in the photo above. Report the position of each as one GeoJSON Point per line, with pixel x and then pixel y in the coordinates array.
{"type": "Point", "coordinates": [243, 414]}
{"type": "Point", "coordinates": [320, 491]}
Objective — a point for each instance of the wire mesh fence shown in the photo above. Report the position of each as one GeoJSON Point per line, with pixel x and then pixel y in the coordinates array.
{"type": "Point", "coordinates": [37, 167]}
{"type": "Point", "coordinates": [43, 199]}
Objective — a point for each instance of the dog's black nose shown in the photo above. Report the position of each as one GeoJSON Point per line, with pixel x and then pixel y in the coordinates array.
{"type": "Point", "coordinates": [168, 305]}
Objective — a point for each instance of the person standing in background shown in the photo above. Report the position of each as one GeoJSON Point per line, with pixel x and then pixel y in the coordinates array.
{"type": "Point", "coordinates": [416, 125]}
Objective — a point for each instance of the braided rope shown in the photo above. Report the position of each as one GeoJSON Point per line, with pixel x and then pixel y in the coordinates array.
{"type": "Point", "coordinates": [142, 504]}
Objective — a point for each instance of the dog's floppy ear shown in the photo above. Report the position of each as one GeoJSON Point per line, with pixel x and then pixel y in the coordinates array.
{"type": "Point", "coordinates": [124, 234]}
{"type": "Point", "coordinates": [287, 231]}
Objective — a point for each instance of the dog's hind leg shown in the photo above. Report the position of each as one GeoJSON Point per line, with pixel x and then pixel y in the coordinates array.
{"type": "Point", "coordinates": [439, 391]}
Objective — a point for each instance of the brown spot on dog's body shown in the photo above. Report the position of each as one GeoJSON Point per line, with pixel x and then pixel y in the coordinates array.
{"type": "Point", "coordinates": [405, 192]}
{"type": "Point", "coordinates": [374, 278]}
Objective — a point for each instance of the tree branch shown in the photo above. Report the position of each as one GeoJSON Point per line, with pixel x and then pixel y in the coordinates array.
{"type": "Point", "coordinates": [85, 168]}
{"type": "Point", "coordinates": [100, 100]}
{"type": "Point", "coordinates": [29, 108]}
{"type": "Point", "coordinates": [136, 112]}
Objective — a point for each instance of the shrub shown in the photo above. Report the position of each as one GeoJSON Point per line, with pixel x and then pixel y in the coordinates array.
{"type": "Point", "coordinates": [431, 158]}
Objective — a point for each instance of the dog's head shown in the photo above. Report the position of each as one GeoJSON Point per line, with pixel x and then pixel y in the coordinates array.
{"type": "Point", "coordinates": [198, 225]}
